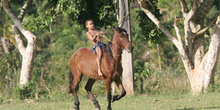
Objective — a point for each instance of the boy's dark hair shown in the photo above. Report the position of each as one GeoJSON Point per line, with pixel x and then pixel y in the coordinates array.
{"type": "Point", "coordinates": [87, 21]}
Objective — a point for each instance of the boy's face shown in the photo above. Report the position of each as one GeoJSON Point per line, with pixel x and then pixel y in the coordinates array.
{"type": "Point", "coordinates": [90, 25]}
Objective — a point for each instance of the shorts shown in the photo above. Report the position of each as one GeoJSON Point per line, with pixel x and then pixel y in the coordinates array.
{"type": "Point", "coordinates": [98, 45]}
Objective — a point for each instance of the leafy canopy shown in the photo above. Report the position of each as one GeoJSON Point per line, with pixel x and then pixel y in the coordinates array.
{"type": "Point", "coordinates": [102, 12]}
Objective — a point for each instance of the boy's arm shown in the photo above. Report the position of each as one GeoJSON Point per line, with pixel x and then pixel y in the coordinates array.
{"type": "Point", "coordinates": [90, 37]}
{"type": "Point", "coordinates": [100, 32]}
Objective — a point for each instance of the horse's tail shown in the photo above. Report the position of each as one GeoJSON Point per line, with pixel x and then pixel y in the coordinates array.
{"type": "Point", "coordinates": [71, 78]}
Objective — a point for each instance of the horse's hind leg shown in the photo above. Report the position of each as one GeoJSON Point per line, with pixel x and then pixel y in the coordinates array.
{"type": "Point", "coordinates": [77, 76]}
{"type": "Point", "coordinates": [120, 86]}
{"type": "Point", "coordinates": [109, 96]}
{"type": "Point", "coordinates": [88, 88]}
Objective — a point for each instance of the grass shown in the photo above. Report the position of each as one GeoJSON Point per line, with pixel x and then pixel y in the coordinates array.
{"type": "Point", "coordinates": [139, 102]}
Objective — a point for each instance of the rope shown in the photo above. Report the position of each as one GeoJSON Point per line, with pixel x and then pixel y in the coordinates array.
{"type": "Point", "coordinates": [105, 37]}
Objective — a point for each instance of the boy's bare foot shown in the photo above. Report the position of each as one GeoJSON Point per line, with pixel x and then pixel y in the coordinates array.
{"type": "Point", "coordinates": [100, 73]}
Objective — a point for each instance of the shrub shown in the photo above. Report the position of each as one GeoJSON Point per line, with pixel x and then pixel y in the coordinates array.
{"type": "Point", "coordinates": [25, 91]}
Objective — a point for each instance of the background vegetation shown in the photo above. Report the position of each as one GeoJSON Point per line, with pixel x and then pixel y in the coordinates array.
{"type": "Point", "coordinates": [59, 39]}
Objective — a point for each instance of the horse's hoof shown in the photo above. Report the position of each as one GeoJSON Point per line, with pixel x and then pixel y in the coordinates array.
{"type": "Point", "coordinates": [97, 109]}
{"type": "Point", "coordinates": [75, 108]}
{"type": "Point", "coordinates": [114, 98]}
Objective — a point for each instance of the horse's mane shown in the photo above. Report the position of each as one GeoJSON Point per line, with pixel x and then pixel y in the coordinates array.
{"type": "Point", "coordinates": [120, 29]}
{"type": "Point", "coordinates": [109, 48]}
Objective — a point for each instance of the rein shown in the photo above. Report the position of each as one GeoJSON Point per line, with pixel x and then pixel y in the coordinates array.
{"type": "Point", "coordinates": [105, 37]}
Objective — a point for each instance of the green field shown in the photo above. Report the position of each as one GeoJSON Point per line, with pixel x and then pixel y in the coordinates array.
{"type": "Point", "coordinates": [139, 102]}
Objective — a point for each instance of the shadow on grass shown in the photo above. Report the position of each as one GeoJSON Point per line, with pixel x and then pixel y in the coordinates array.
{"type": "Point", "coordinates": [198, 108]}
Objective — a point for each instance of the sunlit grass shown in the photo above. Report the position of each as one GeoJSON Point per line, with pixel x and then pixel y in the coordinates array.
{"type": "Point", "coordinates": [139, 102]}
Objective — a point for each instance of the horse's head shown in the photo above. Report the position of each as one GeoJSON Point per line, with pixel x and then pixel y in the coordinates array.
{"type": "Point", "coordinates": [122, 39]}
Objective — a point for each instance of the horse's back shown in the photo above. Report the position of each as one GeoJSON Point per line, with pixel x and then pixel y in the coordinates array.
{"type": "Point", "coordinates": [85, 60]}
{"type": "Point", "coordinates": [83, 54]}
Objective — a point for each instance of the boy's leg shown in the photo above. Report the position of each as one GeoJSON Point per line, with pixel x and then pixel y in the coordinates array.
{"type": "Point", "coordinates": [99, 53]}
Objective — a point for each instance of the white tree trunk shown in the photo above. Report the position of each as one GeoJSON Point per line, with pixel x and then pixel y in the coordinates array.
{"type": "Point", "coordinates": [204, 75]}
{"type": "Point", "coordinates": [28, 52]}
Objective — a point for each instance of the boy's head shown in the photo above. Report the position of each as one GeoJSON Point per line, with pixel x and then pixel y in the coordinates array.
{"type": "Point", "coordinates": [89, 24]}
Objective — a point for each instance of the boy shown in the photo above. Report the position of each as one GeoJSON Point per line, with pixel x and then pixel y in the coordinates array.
{"type": "Point", "coordinates": [93, 36]}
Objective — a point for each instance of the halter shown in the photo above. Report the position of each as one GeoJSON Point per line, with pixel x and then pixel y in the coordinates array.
{"type": "Point", "coordinates": [105, 37]}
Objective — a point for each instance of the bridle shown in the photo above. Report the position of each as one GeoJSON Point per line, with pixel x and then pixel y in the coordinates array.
{"type": "Point", "coordinates": [122, 41]}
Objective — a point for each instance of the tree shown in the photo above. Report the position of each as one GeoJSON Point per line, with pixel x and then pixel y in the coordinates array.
{"type": "Point", "coordinates": [200, 66]}
{"type": "Point", "coordinates": [127, 59]}
{"type": "Point", "coordinates": [28, 51]}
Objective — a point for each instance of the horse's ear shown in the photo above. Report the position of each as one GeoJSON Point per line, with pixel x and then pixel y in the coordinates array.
{"type": "Point", "coordinates": [115, 29]}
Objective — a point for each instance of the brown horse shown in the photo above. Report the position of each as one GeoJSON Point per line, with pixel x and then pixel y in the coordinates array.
{"type": "Point", "coordinates": [83, 61]}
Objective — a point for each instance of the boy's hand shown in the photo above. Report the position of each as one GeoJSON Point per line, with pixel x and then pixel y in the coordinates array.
{"type": "Point", "coordinates": [97, 34]}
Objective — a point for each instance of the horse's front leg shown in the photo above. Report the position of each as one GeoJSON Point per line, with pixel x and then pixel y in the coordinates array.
{"type": "Point", "coordinates": [120, 86]}
{"type": "Point", "coordinates": [109, 96]}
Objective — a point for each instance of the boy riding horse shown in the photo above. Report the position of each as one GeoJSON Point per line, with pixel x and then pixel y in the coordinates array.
{"type": "Point", "coordinates": [94, 36]}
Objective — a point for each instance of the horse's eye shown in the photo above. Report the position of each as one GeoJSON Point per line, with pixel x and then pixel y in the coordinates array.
{"type": "Point", "coordinates": [120, 36]}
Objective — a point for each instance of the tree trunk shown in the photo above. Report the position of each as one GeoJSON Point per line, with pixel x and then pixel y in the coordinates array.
{"type": "Point", "coordinates": [141, 85]}
{"type": "Point", "coordinates": [158, 54]}
{"type": "Point", "coordinates": [28, 52]}
{"type": "Point", "coordinates": [127, 59]}
{"type": "Point", "coordinates": [204, 74]}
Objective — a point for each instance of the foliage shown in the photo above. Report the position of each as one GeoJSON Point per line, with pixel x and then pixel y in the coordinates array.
{"type": "Point", "coordinates": [212, 14]}
{"type": "Point", "coordinates": [148, 28]}
{"type": "Point", "coordinates": [101, 12]}
{"type": "Point", "coordinates": [10, 65]}
{"type": "Point", "coordinates": [170, 6]}
{"type": "Point", "coordinates": [142, 71]}
{"type": "Point", "coordinates": [1, 100]}
{"type": "Point", "coordinates": [25, 91]}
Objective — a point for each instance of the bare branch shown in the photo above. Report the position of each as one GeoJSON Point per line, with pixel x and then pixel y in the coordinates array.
{"type": "Point", "coordinates": [10, 13]}
{"type": "Point", "coordinates": [19, 41]}
{"type": "Point", "coordinates": [176, 26]}
{"type": "Point", "coordinates": [4, 45]}
{"type": "Point", "coordinates": [205, 29]}
{"type": "Point", "coordinates": [23, 10]}
{"type": "Point", "coordinates": [184, 7]}
{"type": "Point", "coordinates": [192, 11]}
{"type": "Point", "coordinates": [187, 29]}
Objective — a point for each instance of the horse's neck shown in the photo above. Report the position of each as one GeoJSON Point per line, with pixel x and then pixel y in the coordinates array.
{"type": "Point", "coordinates": [116, 51]}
